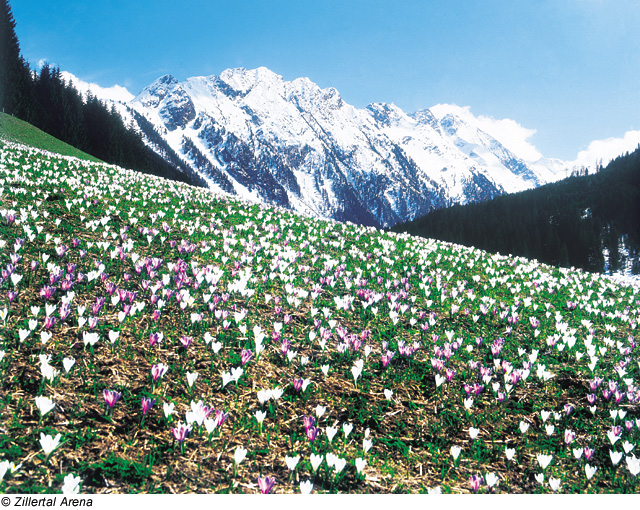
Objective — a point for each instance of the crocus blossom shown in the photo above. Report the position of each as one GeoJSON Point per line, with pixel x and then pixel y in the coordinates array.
{"type": "Point", "coordinates": [44, 404]}
{"type": "Point", "coordinates": [71, 484]}
{"type": "Point", "coordinates": [147, 403]}
{"type": "Point", "coordinates": [111, 397]}
{"type": "Point", "coordinates": [239, 454]}
{"type": "Point", "coordinates": [49, 443]}
{"type": "Point", "coordinates": [306, 487]}
{"type": "Point", "coordinates": [266, 484]}
{"type": "Point", "coordinates": [291, 462]}
{"type": "Point", "coordinates": [181, 431]}
{"type": "Point", "coordinates": [158, 370]}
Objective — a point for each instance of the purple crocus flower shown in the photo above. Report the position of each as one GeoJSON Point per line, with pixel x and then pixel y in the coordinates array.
{"type": "Point", "coordinates": [308, 421]}
{"type": "Point", "coordinates": [157, 371]}
{"type": "Point", "coordinates": [181, 432]}
{"type": "Point", "coordinates": [588, 453]}
{"type": "Point", "coordinates": [186, 341]}
{"type": "Point", "coordinates": [147, 403]}
{"type": "Point", "coordinates": [221, 417]}
{"type": "Point", "coordinates": [49, 322]}
{"type": "Point", "coordinates": [54, 276]}
{"type": "Point", "coordinates": [97, 306]}
{"type": "Point", "coordinates": [65, 310]}
{"type": "Point", "coordinates": [569, 436]}
{"type": "Point", "coordinates": [476, 482]}
{"type": "Point", "coordinates": [155, 338]}
{"type": "Point", "coordinates": [47, 292]}
{"type": "Point", "coordinates": [297, 384]}
{"type": "Point", "coordinates": [111, 397]}
{"type": "Point", "coordinates": [266, 484]}
{"type": "Point", "coordinates": [386, 358]}
{"type": "Point", "coordinates": [312, 433]}
{"type": "Point", "coordinates": [246, 356]}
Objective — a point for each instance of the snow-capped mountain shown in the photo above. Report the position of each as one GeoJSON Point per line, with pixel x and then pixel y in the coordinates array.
{"type": "Point", "coordinates": [290, 143]}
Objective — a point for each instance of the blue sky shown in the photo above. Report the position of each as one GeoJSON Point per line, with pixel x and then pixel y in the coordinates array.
{"type": "Point", "coordinates": [568, 69]}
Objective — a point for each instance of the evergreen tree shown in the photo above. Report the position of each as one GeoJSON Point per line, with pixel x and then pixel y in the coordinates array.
{"type": "Point", "coordinates": [14, 72]}
{"type": "Point", "coordinates": [9, 55]}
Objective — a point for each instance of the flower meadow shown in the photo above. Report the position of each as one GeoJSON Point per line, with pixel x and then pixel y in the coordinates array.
{"type": "Point", "coordinates": [158, 338]}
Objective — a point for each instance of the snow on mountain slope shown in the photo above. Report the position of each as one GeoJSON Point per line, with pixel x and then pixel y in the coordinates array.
{"type": "Point", "coordinates": [293, 144]}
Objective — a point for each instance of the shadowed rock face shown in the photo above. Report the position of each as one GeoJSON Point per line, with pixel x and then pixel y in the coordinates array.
{"type": "Point", "coordinates": [177, 109]}
{"type": "Point", "coordinates": [298, 146]}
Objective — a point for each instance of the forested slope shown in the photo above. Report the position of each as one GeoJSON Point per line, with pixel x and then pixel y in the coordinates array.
{"type": "Point", "coordinates": [574, 222]}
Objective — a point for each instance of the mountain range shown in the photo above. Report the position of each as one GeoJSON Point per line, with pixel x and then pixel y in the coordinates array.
{"type": "Point", "coordinates": [256, 136]}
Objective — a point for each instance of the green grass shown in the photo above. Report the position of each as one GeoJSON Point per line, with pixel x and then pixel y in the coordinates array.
{"type": "Point", "coordinates": [15, 130]}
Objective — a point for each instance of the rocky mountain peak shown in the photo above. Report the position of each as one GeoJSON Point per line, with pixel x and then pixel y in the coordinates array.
{"type": "Point", "coordinates": [299, 146]}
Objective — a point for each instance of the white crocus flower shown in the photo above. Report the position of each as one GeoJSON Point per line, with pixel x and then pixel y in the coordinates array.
{"type": "Point", "coordinates": [44, 404]}
{"type": "Point", "coordinates": [49, 443]}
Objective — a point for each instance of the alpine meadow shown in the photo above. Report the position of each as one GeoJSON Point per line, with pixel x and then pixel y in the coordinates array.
{"type": "Point", "coordinates": [159, 338]}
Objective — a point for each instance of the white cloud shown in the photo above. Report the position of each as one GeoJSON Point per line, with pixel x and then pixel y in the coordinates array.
{"type": "Point", "coordinates": [508, 132]}
{"type": "Point", "coordinates": [603, 151]}
{"type": "Point", "coordinates": [115, 93]}
{"type": "Point", "coordinates": [513, 136]}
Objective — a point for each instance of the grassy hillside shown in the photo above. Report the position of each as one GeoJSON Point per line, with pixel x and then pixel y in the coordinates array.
{"type": "Point", "coordinates": [157, 338]}
{"type": "Point", "coordinates": [15, 130]}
